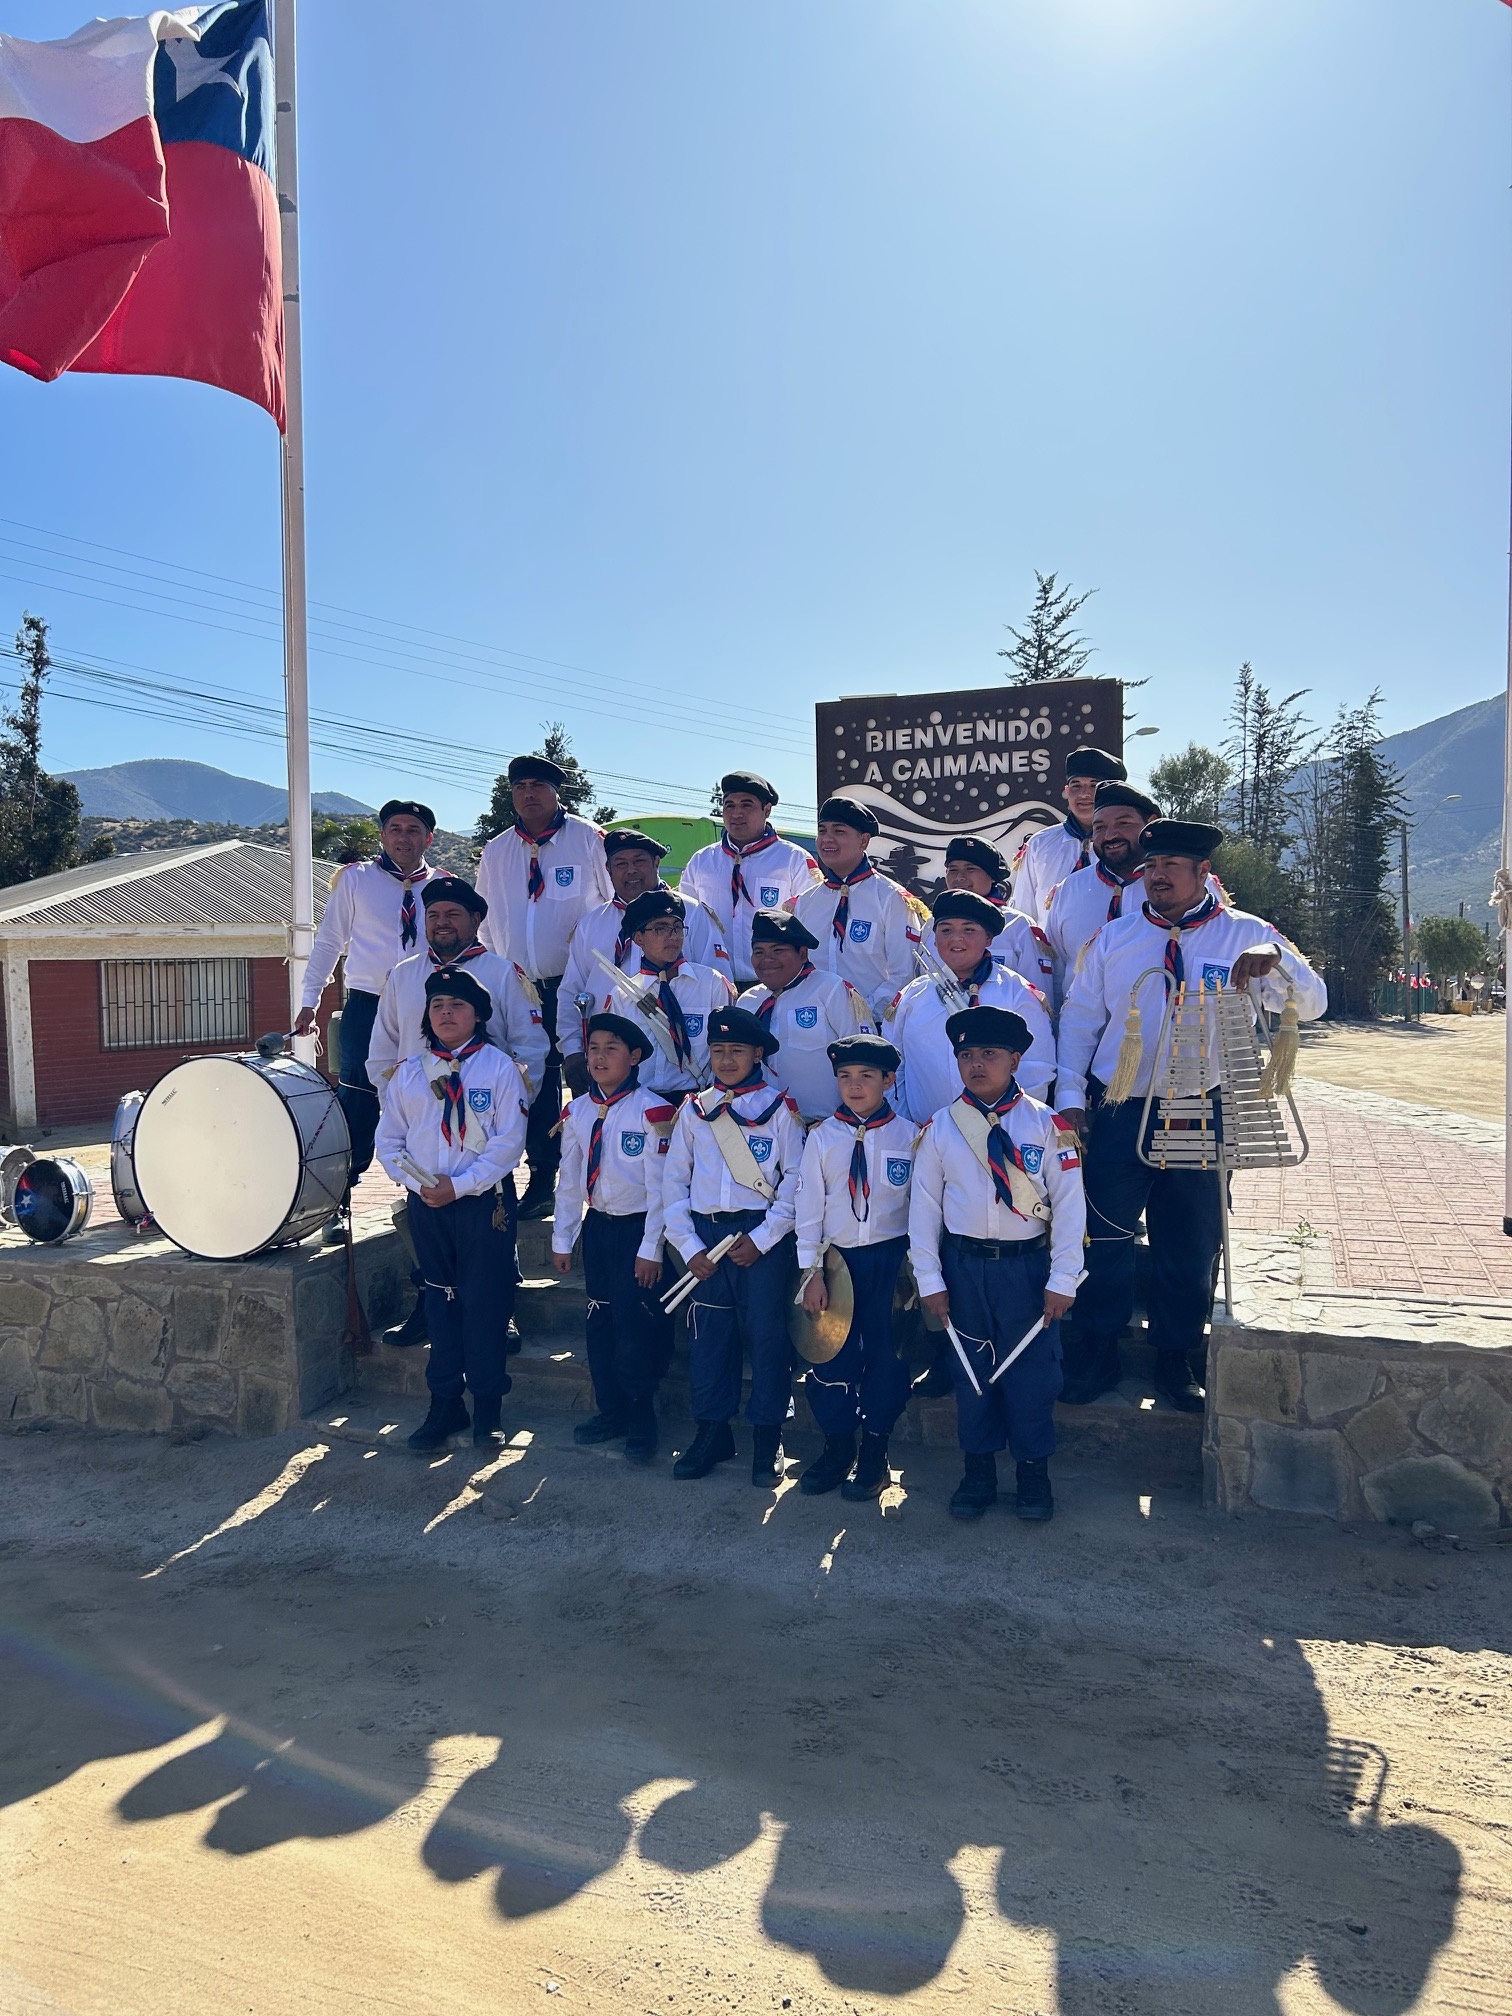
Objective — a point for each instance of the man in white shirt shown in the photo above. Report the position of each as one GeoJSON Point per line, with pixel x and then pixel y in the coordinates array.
{"type": "Point", "coordinates": [806, 1010]}
{"type": "Point", "coordinates": [538, 877]}
{"type": "Point", "coordinates": [1111, 882]}
{"type": "Point", "coordinates": [750, 868]}
{"type": "Point", "coordinates": [632, 859]}
{"type": "Point", "coordinates": [1021, 946]}
{"type": "Point", "coordinates": [865, 927]}
{"type": "Point", "coordinates": [1181, 935]}
{"type": "Point", "coordinates": [372, 920]}
{"type": "Point", "coordinates": [1054, 852]}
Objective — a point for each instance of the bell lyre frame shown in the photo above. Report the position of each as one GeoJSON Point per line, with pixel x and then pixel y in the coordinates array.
{"type": "Point", "coordinates": [1256, 1129]}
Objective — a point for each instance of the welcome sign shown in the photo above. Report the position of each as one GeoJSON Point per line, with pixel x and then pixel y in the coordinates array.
{"type": "Point", "coordinates": [989, 761]}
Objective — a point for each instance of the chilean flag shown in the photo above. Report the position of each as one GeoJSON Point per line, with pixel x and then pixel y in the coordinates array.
{"type": "Point", "coordinates": [138, 222]}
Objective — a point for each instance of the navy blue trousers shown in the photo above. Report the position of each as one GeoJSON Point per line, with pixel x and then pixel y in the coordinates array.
{"type": "Point", "coordinates": [461, 1250]}
{"type": "Point", "coordinates": [359, 1102]}
{"type": "Point", "coordinates": [866, 1383]}
{"type": "Point", "coordinates": [1182, 1215]}
{"type": "Point", "coordinates": [543, 1149]}
{"type": "Point", "coordinates": [629, 1338]}
{"type": "Point", "coordinates": [992, 1304]}
{"type": "Point", "coordinates": [741, 1306]}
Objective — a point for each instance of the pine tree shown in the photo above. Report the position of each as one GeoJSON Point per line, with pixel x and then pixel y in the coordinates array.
{"type": "Point", "coordinates": [1270, 743]}
{"type": "Point", "coordinates": [1355, 811]}
{"type": "Point", "coordinates": [39, 814]}
{"type": "Point", "coordinates": [1049, 648]}
{"type": "Point", "coordinates": [575, 790]}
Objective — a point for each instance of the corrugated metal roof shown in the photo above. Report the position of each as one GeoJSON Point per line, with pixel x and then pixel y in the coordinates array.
{"type": "Point", "coordinates": [227, 882]}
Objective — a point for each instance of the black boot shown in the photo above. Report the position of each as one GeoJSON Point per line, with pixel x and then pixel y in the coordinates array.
{"type": "Point", "coordinates": [1091, 1370]}
{"type": "Point", "coordinates": [598, 1428]}
{"type": "Point", "coordinates": [537, 1201]}
{"type": "Point", "coordinates": [1033, 1499]}
{"type": "Point", "coordinates": [640, 1436]}
{"type": "Point", "coordinates": [830, 1467]}
{"type": "Point", "coordinates": [486, 1413]}
{"type": "Point", "coordinates": [1174, 1382]}
{"type": "Point", "coordinates": [714, 1443]}
{"type": "Point", "coordinates": [977, 1489]}
{"type": "Point", "coordinates": [445, 1419]}
{"type": "Point", "coordinates": [872, 1474]}
{"type": "Point", "coordinates": [766, 1456]}
{"type": "Point", "coordinates": [412, 1330]}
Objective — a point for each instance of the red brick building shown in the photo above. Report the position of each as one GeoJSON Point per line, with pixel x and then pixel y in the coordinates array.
{"type": "Point", "coordinates": [116, 972]}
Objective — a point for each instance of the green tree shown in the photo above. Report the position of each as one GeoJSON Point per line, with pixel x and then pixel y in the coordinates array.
{"type": "Point", "coordinates": [1449, 947]}
{"type": "Point", "coordinates": [1270, 742]}
{"type": "Point", "coordinates": [575, 791]}
{"type": "Point", "coordinates": [1050, 647]}
{"type": "Point", "coordinates": [1256, 881]}
{"type": "Point", "coordinates": [1192, 784]}
{"type": "Point", "coordinates": [335, 839]}
{"type": "Point", "coordinates": [39, 814]}
{"type": "Point", "coordinates": [1353, 811]}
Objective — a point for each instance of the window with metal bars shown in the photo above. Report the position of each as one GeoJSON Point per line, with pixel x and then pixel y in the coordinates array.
{"type": "Point", "coordinates": [156, 1004]}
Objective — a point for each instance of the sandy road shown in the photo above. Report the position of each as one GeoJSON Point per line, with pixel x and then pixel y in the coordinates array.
{"type": "Point", "coordinates": [1454, 1061]}
{"type": "Point", "coordinates": [595, 1741]}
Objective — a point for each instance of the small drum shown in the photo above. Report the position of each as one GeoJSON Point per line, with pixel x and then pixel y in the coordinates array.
{"type": "Point", "coordinates": [53, 1199]}
{"type": "Point", "coordinates": [15, 1161]}
{"type": "Point", "coordinates": [123, 1183]}
{"type": "Point", "coordinates": [236, 1154]}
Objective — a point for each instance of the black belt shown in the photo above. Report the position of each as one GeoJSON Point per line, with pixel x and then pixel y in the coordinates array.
{"type": "Point", "coordinates": [745, 1221]}
{"type": "Point", "coordinates": [996, 1249]}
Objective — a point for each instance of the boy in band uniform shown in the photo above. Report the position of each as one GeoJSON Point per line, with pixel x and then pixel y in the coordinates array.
{"type": "Point", "coordinates": [732, 1171]}
{"type": "Point", "coordinates": [806, 1010]}
{"type": "Point", "coordinates": [865, 927]}
{"type": "Point", "coordinates": [853, 1191]}
{"type": "Point", "coordinates": [1021, 945]}
{"type": "Point", "coordinates": [1054, 852]}
{"type": "Point", "coordinates": [452, 1131]}
{"type": "Point", "coordinates": [749, 868]}
{"type": "Point", "coordinates": [632, 859]}
{"type": "Point", "coordinates": [614, 1141]}
{"type": "Point", "coordinates": [996, 1172]}
{"type": "Point", "coordinates": [677, 997]}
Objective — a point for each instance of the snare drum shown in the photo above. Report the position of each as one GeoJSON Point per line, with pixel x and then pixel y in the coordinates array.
{"type": "Point", "coordinates": [123, 1183]}
{"type": "Point", "coordinates": [235, 1154]}
{"type": "Point", "coordinates": [53, 1199]}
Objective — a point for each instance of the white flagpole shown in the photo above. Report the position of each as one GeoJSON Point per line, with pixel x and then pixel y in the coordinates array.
{"type": "Point", "coordinates": [1504, 887]}
{"type": "Point", "coordinates": [296, 639]}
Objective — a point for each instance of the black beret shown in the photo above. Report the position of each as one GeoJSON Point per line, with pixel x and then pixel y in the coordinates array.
{"type": "Point", "coordinates": [1181, 836]}
{"type": "Point", "coordinates": [739, 1025]}
{"type": "Point", "coordinates": [1090, 762]}
{"type": "Point", "coordinates": [412, 807]}
{"type": "Point", "coordinates": [629, 1033]}
{"type": "Point", "coordinates": [649, 906]}
{"type": "Point", "coordinates": [781, 927]}
{"type": "Point", "coordinates": [979, 853]}
{"type": "Point", "coordinates": [460, 984]}
{"type": "Point", "coordinates": [873, 1050]}
{"type": "Point", "coordinates": [1124, 794]}
{"type": "Point", "coordinates": [452, 889]}
{"type": "Point", "coordinates": [540, 767]}
{"type": "Point", "coordinates": [966, 907]}
{"type": "Point", "coordinates": [747, 780]}
{"type": "Point", "coordinates": [988, 1028]}
{"type": "Point", "coordinates": [848, 812]}
{"type": "Point", "coordinates": [621, 839]}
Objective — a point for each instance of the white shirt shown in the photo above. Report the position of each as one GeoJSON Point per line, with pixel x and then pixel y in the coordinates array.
{"type": "Point", "coordinates": [633, 1150]}
{"type": "Point", "coordinates": [696, 1176]}
{"type": "Point", "coordinates": [362, 924]}
{"type": "Point", "coordinates": [698, 990]}
{"type": "Point", "coordinates": [1130, 952]}
{"type": "Point", "coordinates": [953, 1191]}
{"type": "Point", "coordinates": [515, 1026]}
{"type": "Point", "coordinates": [597, 930]}
{"type": "Point", "coordinates": [496, 1109]}
{"type": "Point", "coordinates": [826, 1216]}
{"type": "Point", "coordinates": [1077, 909]}
{"type": "Point", "coordinates": [1021, 946]}
{"type": "Point", "coordinates": [929, 1078]}
{"type": "Point", "coordinates": [806, 1018]}
{"type": "Point", "coordinates": [535, 935]}
{"type": "Point", "coordinates": [1046, 857]}
{"type": "Point", "coordinates": [881, 937]}
{"type": "Point", "coordinates": [775, 873]}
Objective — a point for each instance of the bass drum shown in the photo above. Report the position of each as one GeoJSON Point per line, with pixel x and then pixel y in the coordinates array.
{"type": "Point", "coordinates": [53, 1199]}
{"type": "Point", "coordinates": [233, 1155]}
{"type": "Point", "coordinates": [123, 1182]}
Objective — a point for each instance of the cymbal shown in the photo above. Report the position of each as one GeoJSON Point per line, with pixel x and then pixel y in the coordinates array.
{"type": "Point", "coordinates": [820, 1338]}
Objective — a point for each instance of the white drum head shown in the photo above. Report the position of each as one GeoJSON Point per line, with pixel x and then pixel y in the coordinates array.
{"type": "Point", "coordinates": [218, 1158]}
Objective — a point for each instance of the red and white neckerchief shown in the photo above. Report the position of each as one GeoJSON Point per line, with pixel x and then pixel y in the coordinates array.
{"type": "Point", "coordinates": [1118, 884]}
{"type": "Point", "coordinates": [449, 1089]}
{"type": "Point", "coordinates": [738, 855]}
{"type": "Point", "coordinates": [671, 1007]}
{"type": "Point", "coordinates": [462, 958]}
{"type": "Point", "coordinates": [1002, 1149]}
{"type": "Point", "coordinates": [845, 883]}
{"type": "Point", "coordinates": [764, 1012]}
{"type": "Point", "coordinates": [535, 881]}
{"type": "Point", "coordinates": [1200, 914]}
{"type": "Point", "coordinates": [859, 1181]}
{"type": "Point", "coordinates": [1083, 840]}
{"type": "Point", "coordinates": [604, 1101]}
{"type": "Point", "coordinates": [408, 928]}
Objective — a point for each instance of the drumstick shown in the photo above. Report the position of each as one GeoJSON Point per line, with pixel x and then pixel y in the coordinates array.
{"type": "Point", "coordinates": [683, 1288]}
{"type": "Point", "coordinates": [411, 1167]}
{"type": "Point", "coordinates": [1027, 1339]}
{"type": "Point", "coordinates": [960, 1351]}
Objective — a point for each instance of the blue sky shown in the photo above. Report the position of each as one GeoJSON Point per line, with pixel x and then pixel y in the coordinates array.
{"type": "Point", "coordinates": [738, 356]}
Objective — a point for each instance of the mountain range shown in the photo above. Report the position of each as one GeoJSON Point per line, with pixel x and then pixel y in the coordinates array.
{"type": "Point", "coordinates": [163, 788]}
{"type": "Point", "coordinates": [1453, 849]}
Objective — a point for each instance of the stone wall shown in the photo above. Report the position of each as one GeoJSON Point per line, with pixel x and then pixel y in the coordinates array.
{"type": "Point", "coordinates": [1363, 1407]}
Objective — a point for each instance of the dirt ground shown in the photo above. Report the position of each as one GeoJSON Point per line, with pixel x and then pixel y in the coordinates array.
{"type": "Point", "coordinates": [298, 1726]}
{"type": "Point", "coordinates": [1455, 1061]}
